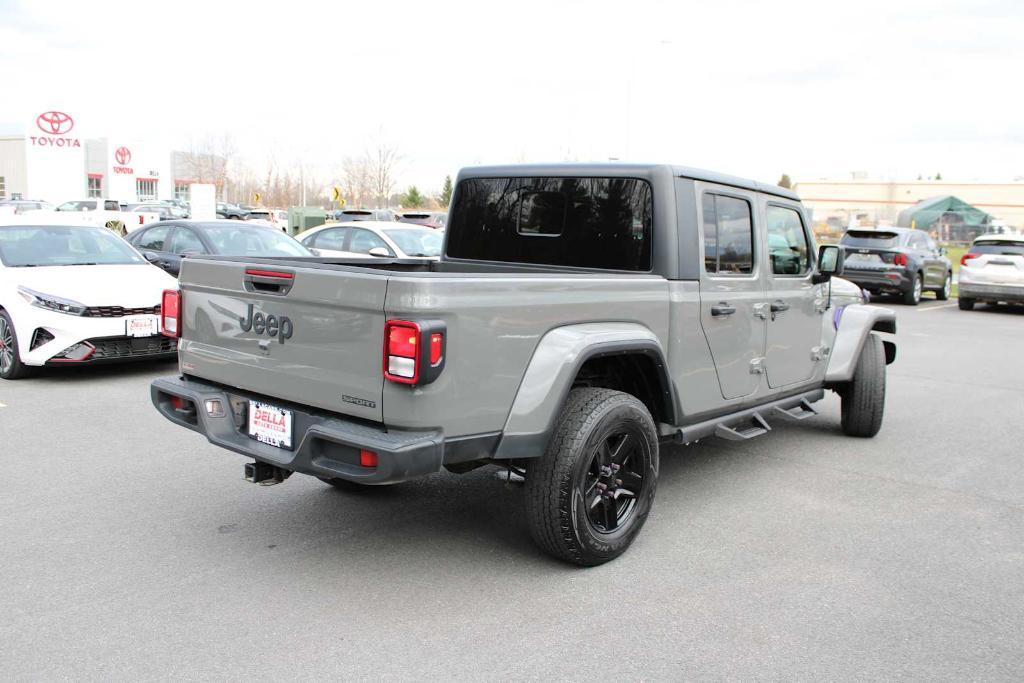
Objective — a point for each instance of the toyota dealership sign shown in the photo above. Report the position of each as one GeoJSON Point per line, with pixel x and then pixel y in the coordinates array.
{"type": "Point", "coordinates": [123, 157]}
{"type": "Point", "coordinates": [55, 126]}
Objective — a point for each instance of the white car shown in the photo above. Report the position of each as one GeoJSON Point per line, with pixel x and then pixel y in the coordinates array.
{"type": "Point", "coordinates": [93, 211]}
{"type": "Point", "coordinates": [76, 294]}
{"type": "Point", "coordinates": [373, 239]}
{"type": "Point", "coordinates": [275, 218]}
{"type": "Point", "coordinates": [992, 271]}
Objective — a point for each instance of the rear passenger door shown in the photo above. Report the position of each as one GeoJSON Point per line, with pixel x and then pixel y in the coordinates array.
{"type": "Point", "coordinates": [733, 312]}
{"type": "Point", "coordinates": [796, 304]}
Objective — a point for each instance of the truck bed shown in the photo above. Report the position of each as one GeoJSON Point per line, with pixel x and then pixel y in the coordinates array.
{"type": "Point", "coordinates": [494, 314]}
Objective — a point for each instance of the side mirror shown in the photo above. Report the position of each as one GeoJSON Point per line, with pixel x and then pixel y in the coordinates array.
{"type": "Point", "coordinates": [830, 262]}
{"type": "Point", "coordinates": [150, 256]}
{"type": "Point", "coordinates": [380, 251]}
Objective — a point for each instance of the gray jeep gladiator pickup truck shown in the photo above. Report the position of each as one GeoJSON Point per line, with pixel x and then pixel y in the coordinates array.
{"type": "Point", "coordinates": [580, 316]}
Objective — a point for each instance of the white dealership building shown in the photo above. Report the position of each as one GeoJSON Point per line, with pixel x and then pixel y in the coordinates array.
{"type": "Point", "coordinates": [51, 159]}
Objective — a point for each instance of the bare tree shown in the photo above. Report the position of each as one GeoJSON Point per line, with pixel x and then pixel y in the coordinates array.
{"type": "Point", "coordinates": [356, 184]}
{"type": "Point", "coordinates": [382, 163]}
{"type": "Point", "coordinates": [208, 159]}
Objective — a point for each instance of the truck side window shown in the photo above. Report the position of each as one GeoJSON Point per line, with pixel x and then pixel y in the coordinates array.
{"type": "Point", "coordinates": [787, 242]}
{"type": "Point", "coordinates": [728, 235]}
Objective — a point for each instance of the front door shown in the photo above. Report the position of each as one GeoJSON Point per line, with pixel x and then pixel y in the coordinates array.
{"type": "Point", "coordinates": [733, 312]}
{"type": "Point", "coordinates": [796, 305]}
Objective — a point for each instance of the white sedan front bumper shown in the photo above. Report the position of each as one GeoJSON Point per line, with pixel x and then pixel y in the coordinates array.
{"type": "Point", "coordinates": [80, 339]}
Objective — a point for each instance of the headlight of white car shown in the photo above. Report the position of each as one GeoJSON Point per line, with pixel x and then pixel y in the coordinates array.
{"type": "Point", "coordinates": [51, 302]}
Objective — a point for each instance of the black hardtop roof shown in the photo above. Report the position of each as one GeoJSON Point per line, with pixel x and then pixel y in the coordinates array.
{"type": "Point", "coordinates": [615, 169]}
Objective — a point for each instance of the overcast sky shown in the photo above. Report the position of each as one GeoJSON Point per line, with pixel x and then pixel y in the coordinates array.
{"type": "Point", "coordinates": [813, 89]}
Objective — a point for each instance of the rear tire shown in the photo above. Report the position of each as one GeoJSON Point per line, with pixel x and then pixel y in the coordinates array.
{"type": "Point", "coordinates": [11, 366]}
{"type": "Point", "coordinates": [912, 296]}
{"type": "Point", "coordinates": [590, 493]}
{"type": "Point", "coordinates": [864, 397]}
{"type": "Point", "coordinates": [947, 288]}
{"type": "Point", "coordinates": [965, 304]}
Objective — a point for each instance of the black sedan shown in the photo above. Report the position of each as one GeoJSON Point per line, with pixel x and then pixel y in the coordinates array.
{"type": "Point", "coordinates": [901, 261]}
{"type": "Point", "coordinates": [166, 243]}
{"type": "Point", "coordinates": [225, 210]}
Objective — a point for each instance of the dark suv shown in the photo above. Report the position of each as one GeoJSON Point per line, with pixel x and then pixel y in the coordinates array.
{"type": "Point", "coordinates": [902, 261]}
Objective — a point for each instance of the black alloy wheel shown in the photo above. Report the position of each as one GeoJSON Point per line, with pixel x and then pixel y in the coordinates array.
{"type": "Point", "coordinates": [611, 485]}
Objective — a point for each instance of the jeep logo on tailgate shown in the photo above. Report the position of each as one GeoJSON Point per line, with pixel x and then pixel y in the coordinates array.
{"type": "Point", "coordinates": [279, 326]}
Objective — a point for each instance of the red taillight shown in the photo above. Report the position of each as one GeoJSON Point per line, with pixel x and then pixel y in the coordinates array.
{"type": "Point", "coordinates": [170, 313]}
{"type": "Point", "coordinates": [413, 351]}
{"type": "Point", "coordinates": [402, 340]}
{"type": "Point", "coordinates": [436, 345]}
{"type": "Point", "coordinates": [367, 458]}
{"type": "Point", "coordinates": [900, 259]}
{"type": "Point", "coordinates": [967, 257]}
{"type": "Point", "coordinates": [401, 351]}
{"type": "Point", "coordinates": [177, 402]}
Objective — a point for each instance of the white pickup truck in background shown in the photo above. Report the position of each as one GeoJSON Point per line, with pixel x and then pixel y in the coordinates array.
{"type": "Point", "coordinates": [107, 213]}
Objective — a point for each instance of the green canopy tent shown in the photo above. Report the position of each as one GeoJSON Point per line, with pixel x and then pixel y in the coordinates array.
{"type": "Point", "coordinates": [948, 217]}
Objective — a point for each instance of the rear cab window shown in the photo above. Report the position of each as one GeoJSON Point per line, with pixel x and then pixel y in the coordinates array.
{"type": "Point", "coordinates": [591, 223]}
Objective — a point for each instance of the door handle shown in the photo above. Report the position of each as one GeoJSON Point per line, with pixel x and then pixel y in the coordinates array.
{"type": "Point", "coordinates": [779, 306]}
{"type": "Point", "coordinates": [722, 309]}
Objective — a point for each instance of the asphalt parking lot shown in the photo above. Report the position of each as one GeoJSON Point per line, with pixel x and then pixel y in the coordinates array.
{"type": "Point", "coordinates": [134, 549]}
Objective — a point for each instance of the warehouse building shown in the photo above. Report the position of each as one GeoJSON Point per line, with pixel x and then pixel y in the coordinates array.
{"type": "Point", "coordinates": [50, 159]}
{"type": "Point", "coordinates": [837, 204]}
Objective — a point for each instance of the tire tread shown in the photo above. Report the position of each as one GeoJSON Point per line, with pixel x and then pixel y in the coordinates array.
{"type": "Point", "coordinates": [863, 400]}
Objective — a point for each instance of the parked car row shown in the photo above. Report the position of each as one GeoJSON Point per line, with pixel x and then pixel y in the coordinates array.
{"type": "Point", "coordinates": [907, 262]}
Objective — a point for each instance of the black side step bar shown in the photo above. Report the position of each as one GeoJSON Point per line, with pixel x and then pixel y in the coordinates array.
{"type": "Point", "coordinates": [745, 424]}
{"type": "Point", "coordinates": [757, 427]}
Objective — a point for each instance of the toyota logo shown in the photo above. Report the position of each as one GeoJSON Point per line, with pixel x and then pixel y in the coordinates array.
{"type": "Point", "coordinates": [55, 122]}
{"type": "Point", "coordinates": [122, 155]}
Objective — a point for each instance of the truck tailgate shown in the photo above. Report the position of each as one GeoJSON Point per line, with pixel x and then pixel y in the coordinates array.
{"type": "Point", "coordinates": [323, 347]}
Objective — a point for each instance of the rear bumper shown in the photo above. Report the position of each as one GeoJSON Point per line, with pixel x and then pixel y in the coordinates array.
{"type": "Point", "coordinates": [879, 280]}
{"type": "Point", "coordinates": [970, 290]}
{"type": "Point", "coordinates": [325, 445]}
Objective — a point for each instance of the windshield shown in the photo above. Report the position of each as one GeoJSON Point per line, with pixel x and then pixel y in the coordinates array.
{"type": "Point", "coordinates": [77, 206]}
{"type": "Point", "coordinates": [416, 242]}
{"type": "Point", "coordinates": [24, 246]}
{"type": "Point", "coordinates": [250, 240]}
{"type": "Point", "coordinates": [870, 238]}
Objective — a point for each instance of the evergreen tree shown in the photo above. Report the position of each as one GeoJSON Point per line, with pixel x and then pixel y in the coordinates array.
{"type": "Point", "coordinates": [445, 198]}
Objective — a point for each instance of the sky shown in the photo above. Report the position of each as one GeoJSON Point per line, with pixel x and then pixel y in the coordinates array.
{"type": "Point", "coordinates": [813, 89]}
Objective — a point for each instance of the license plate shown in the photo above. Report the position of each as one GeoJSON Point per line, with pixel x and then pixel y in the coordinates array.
{"type": "Point", "coordinates": [142, 325]}
{"type": "Point", "coordinates": [270, 425]}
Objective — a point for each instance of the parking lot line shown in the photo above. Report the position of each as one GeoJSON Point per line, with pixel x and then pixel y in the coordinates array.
{"type": "Point", "coordinates": [933, 308]}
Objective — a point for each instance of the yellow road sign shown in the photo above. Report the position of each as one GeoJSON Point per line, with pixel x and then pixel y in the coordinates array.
{"type": "Point", "coordinates": [256, 197]}
{"type": "Point", "coordinates": [336, 194]}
